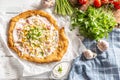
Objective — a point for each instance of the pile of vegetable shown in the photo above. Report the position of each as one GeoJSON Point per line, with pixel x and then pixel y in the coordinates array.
{"type": "Point", "coordinates": [96, 3]}
{"type": "Point", "coordinates": [93, 23]}
{"type": "Point", "coordinates": [63, 7]}
{"type": "Point", "coordinates": [115, 3]}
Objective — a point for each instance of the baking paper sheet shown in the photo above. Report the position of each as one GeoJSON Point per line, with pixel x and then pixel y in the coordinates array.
{"type": "Point", "coordinates": [75, 45]}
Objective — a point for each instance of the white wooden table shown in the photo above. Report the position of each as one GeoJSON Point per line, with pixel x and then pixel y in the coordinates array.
{"type": "Point", "coordinates": [10, 68]}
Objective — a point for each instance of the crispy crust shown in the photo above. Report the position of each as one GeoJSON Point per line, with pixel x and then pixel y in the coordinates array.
{"type": "Point", "coordinates": [62, 44]}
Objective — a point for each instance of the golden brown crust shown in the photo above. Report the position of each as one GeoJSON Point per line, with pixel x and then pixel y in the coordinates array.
{"type": "Point", "coordinates": [62, 44]}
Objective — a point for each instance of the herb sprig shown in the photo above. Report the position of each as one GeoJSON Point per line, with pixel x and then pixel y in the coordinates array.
{"type": "Point", "coordinates": [93, 23]}
{"type": "Point", "coordinates": [60, 69]}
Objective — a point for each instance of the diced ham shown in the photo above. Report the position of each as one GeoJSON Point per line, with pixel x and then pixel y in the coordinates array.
{"type": "Point", "coordinates": [48, 50]}
{"type": "Point", "coordinates": [48, 27]}
{"type": "Point", "coordinates": [28, 21]}
{"type": "Point", "coordinates": [47, 42]}
{"type": "Point", "coordinates": [19, 29]}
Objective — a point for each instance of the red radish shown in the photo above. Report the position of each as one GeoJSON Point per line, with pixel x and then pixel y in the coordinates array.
{"type": "Point", "coordinates": [116, 4]}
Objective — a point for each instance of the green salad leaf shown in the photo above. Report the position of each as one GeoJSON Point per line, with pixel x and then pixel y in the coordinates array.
{"type": "Point", "coordinates": [95, 23]}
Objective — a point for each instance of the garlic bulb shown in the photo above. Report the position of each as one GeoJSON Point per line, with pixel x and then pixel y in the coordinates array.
{"type": "Point", "coordinates": [48, 3]}
{"type": "Point", "coordinates": [102, 45]}
{"type": "Point", "coordinates": [89, 54]}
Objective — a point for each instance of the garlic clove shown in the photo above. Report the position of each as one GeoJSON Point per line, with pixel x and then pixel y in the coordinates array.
{"type": "Point", "coordinates": [48, 3]}
{"type": "Point", "coordinates": [88, 54]}
{"type": "Point", "coordinates": [102, 45]}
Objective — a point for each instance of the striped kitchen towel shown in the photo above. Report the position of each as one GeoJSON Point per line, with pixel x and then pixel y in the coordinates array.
{"type": "Point", "coordinates": [106, 66]}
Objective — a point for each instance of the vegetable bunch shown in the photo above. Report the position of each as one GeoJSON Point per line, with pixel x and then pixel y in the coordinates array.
{"type": "Point", "coordinates": [63, 7]}
{"type": "Point", "coordinates": [94, 23]}
{"type": "Point", "coordinates": [115, 3]}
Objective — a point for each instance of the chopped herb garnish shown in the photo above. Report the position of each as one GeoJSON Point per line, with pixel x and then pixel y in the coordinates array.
{"type": "Point", "coordinates": [42, 53]}
{"type": "Point", "coordinates": [60, 69]}
{"type": "Point", "coordinates": [34, 33]}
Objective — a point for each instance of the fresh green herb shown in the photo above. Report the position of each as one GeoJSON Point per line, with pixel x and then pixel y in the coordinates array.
{"type": "Point", "coordinates": [42, 53]}
{"type": "Point", "coordinates": [94, 23]}
{"type": "Point", "coordinates": [33, 33]}
{"type": "Point", "coordinates": [60, 69]}
{"type": "Point", "coordinates": [63, 7]}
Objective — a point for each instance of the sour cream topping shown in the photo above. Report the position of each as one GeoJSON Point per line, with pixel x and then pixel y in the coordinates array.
{"type": "Point", "coordinates": [61, 70]}
{"type": "Point", "coordinates": [35, 36]}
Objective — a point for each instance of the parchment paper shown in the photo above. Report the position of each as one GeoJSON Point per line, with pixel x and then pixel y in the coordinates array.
{"type": "Point", "coordinates": [75, 45]}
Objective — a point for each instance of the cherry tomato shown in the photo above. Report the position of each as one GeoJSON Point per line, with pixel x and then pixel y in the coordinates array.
{"type": "Point", "coordinates": [97, 3]}
{"type": "Point", "coordinates": [83, 2]}
{"type": "Point", "coordinates": [111, 1]}
{"type": "Point", "coordinates": [104, 1]}
{"type": "Point", "coordinates": [116, 4]}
